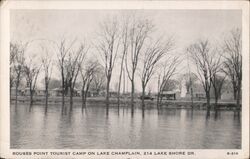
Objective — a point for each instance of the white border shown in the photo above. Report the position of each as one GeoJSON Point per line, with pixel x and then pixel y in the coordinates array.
{"type": "Point", "coordinates": [200, 153]}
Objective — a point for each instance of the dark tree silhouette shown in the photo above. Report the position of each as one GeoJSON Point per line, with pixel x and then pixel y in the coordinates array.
{"type": "Point", "coordinates": [17, 64]}
{"type": "Point", "coordinates": [205, 60]}
{"type": "Point", "coordinates": [73, 66]}
{"type": "Point", "coordinates": [62, 51]}
{"type": "Point", "coordinates": [124, 39]}
{"type": "Point", "coordinates": [152, 57]}
{"type": "Point", "coordinates": [233, 62]}
{"type": "Point", "coordinates": [167, 71]}
{"type": "Point", "coordinates": [139, 30]}
{"type": "Point", "coordinates": [47, 69]}
{"type": "Point", "coordinates": [31, 73]}
{"type": "Point", "coordinates": [88, 74]}
{"type": "Point", "coordinates": [108, 46]}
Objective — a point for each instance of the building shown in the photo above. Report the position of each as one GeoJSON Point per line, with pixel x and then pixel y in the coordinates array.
{"type": "Point", "coordinates": [59, 91]}
{"type": "Point", "coordinates": [56, 92]}
{"type": "Point", "coordinates": [171, 95]}
{"type": "Point", "coordinates": [199, 95]}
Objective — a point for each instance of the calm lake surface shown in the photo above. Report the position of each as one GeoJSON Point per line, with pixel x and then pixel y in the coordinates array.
{"type": "Point", "coordinates": [93, 129]}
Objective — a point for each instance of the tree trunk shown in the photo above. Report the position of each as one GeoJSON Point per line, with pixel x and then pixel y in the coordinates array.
{"type": "Point", "coordinates": [132, 94]}
{"type": "Point", "coordinates": [216, 96]}
{"type": "Point", "coordinates": [31, 97]}
{"type": "Point", "coordinates": [235, 91]}
{"type": "Point", "coordinates": [158, 95]}
{"type": "Point", "coordinates": [238, 96]}
{"type": "Point", "coordinates": [46, 97]}
{"type": "Point", "coordinates": [11, 82]}
{"type": "Point", "coordinates": [238, 101]}
{"type": "Point", "coordinates": [16, 93]}
{"type": "Point", "coordinates": [83, 99]}
{"type": "Point", "coordinates": [119, 85]}
{"type": "Point", "coordinates": [71, 98]}
{"type": "Point", "coordinates": [158, 100]}
{"type": "Point", "coordinates": [119, 88]}
{"type": "Point", "coordinates": [31, 101]}
{"type": "Point", "coordinates": [107, 95]}
{"type": "Point", "coordinates": [143, 95]}
{"type": "Point", "coordinates": [208, 102]}
{"type": "Point", "coordinates": [124, 82]}
{"type": "Point", "coordinates": [216, 102]}
{"type": "Point", "coordinates": [143, 111]}
{"type": "Point", "coordinates": [161, 99]}
{"type": "Point", "coordinates": [107, 92]}
{"type": "Point", "coordinates": [63, 93]}
{"type": "Point", "coordinates": [192, 98]}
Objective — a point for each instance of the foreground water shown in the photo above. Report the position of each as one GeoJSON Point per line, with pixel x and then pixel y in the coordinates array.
{"type": "Point", "coordinates": [92, 128]}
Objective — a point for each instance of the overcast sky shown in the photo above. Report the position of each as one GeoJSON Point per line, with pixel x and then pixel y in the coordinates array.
{"type": "Point", "coordinates": [187, 26]}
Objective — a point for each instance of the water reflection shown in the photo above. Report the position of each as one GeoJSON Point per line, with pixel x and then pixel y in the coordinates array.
{"type": "Point", "coordinates": [93, 127]}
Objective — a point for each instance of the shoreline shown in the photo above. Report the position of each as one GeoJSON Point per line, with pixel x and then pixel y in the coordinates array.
{"type": "Point", "coordinates": [182, 103]}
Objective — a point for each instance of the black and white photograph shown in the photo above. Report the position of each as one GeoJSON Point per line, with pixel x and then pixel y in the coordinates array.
{"type": "Point", "coordinates": [141, 79]}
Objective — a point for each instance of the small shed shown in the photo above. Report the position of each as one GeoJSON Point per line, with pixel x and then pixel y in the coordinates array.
{"type": "Point", "coordinates": [56, 92]}
{"type": "Point", "coordinates": [199, 95]}
{"type": "Point", "coordinates": [171, 95]}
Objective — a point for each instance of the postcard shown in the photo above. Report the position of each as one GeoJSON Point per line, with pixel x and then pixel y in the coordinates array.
{"type": "Point", "coordinates": [124, 79]}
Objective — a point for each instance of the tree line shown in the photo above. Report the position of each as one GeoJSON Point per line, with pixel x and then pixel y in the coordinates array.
{"type": "Point", "coordinates": [215, 64]}
{"type": "Point", "coordinates": [130, 45]}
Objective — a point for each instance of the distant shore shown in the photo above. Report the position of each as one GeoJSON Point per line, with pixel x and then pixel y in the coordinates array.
{"type": "Point", "coordinates": [179, 103]}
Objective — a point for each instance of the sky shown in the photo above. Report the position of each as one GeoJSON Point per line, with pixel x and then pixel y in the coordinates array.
{"type": "Point", "coordinates": [186, 26]}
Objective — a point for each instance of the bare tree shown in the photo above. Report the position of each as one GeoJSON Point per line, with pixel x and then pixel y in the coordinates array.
{"type": "Point", "coordinates": [124, 52]}
{"type": "Point", "coordinates": [98, 83]}
{"type": "Point", "coordinates": [216, 76]}
{"type": "Point", "coordinates": [190, 79]}
{"type": "Point", "coordinates": [217, 82]}
{"type": "Point", "coordinates": [139, 30]}
{"type": "Point", "coordinates": [47, 68]}
{"type": "Point", "coordinates": [227, 85]}
{"type": "Point", "coordinates": [168, 70]}
{"type": "Point", "coordinates": [62, 51]}
{"type": "Point", "coordinates": [152, 57]}
{"type": "Point", "coordinates": [17, 63]}
{"type": "Point", "coordinates": [13, 53]}
{"type": "Point", "coordinates": [171, 85]}
{"type": "Point", "coordinates": [203, 57]}
{"type": "Point", "coordinates": [108, 46]}
{"type": "Point", "coordinates": [31, 73]}
{"type": "Point", "coordinates": [73, 66]}
{"type": "Point", "coordinates": [233, 62]}
{"type": "Point", "coordinates": [87, 75]}
{"type": "Point", "coordinates": [229, 71]}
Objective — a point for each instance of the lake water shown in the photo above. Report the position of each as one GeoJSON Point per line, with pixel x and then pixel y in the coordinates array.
{"type": "Point", "coordinates": [93, 129]}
